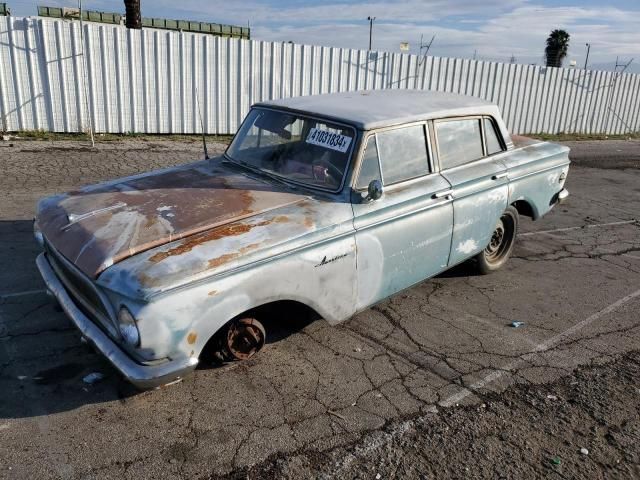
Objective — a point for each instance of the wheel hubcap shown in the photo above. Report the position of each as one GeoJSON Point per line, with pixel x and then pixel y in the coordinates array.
{"type": "Point", "coordinates": [497, 241]}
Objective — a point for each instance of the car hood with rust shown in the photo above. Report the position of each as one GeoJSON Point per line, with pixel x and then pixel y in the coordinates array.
{"type": "Point", "coordinates": [101, 225]}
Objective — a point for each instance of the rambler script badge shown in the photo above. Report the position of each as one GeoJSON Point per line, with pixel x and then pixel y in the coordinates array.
{"type": "Point", "coordinates": [326, 261]}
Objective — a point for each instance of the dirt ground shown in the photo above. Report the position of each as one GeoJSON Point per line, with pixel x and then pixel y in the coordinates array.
{"type": "Point", "coordinates": [396, 391]}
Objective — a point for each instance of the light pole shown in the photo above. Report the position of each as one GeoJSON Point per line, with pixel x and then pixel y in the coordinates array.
{"type": "Point", "coordinates": [587, 59]}
{"type": "Point", "coordinates": [85, 78]}
{"type": "Point", "coordinates": [371, 19]}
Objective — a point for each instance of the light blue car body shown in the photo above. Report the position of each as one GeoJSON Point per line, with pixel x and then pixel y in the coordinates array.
{"type": "Point", "coordinates": [337, 253]}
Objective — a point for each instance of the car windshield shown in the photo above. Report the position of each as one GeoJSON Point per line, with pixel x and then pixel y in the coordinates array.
{"type": "Point", "coordinates": [305, 150]}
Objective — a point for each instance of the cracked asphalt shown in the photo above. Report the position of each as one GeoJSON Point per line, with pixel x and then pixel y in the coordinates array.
{"type": "Point", "coordinates": [419, 367]}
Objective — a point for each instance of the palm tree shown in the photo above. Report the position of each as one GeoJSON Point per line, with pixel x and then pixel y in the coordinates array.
{"type": "Point", "coordinates": [557, 46]}
{"type": "Point", "coordinates": [133, 17]}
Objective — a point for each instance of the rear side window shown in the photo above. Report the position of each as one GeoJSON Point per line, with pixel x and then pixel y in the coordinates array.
{"type": "Point", "coordinates": [370, 169]}
{"type": "Point", "coordinates": [459, 142]}
{"type": "Point", "coordinates": [493, 143]}
{"type": "Point", "coordinates": [403, 153]}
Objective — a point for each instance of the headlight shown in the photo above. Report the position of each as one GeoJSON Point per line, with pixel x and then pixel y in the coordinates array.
{"type": "Point", "coordinates": [128, 327]}
{"type": "Point", "coordinates": [37, 234]}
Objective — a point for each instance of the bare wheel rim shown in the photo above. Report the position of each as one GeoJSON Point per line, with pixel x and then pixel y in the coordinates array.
{"type": "Point", "coordinates": [501, 239]}
{"type": "Point", "coordinates": [245, 338]}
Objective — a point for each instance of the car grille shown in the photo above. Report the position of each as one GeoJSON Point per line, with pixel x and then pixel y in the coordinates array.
{"type": "Point", "coordinates": [81, 289]}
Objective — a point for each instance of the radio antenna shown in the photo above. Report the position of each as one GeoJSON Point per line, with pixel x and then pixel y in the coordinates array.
{"type": "Point", "coordinates": [204, 138]}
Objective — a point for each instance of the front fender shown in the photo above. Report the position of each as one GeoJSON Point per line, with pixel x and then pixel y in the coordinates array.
{"type": "Point", "coordinates": [180, 322]}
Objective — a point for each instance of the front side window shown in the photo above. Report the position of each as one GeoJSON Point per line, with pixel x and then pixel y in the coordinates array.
{"type": "Point", "coordinates": [403, 153]}
{"type": "Point", "coordinates": [293, 147]}
{"type": "Point", "coordinates": [459, 142]}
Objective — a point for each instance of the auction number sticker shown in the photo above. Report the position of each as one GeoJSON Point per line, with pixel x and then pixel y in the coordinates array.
{"type": "Point", "coordinates": [324, 138]}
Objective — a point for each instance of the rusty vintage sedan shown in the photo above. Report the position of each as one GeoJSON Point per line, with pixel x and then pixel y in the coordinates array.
{"type": "Point", "coordinates": [333, 202]}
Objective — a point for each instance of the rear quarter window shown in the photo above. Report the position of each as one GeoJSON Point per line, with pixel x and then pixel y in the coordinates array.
{"type": "Point", "coordinates": [491, 136]}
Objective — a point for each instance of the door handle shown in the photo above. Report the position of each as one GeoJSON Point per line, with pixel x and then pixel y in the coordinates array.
{"type": "Point", "coordinates": [443, 194]}
{"type": "Point", "coordinates": [500, 175]}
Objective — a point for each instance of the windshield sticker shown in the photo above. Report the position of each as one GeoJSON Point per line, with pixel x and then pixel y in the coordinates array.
{"type": "Point", "coordinates": [324, 138]}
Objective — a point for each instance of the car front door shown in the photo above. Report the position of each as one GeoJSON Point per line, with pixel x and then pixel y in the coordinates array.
{"type": "Point", "coordinates": [466, 152]}
{"type": "Point", "coordinates": [404, 236]}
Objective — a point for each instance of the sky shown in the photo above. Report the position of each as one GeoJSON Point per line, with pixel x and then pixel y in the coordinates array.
{"type": "Point", "coordinates": [494, 30]}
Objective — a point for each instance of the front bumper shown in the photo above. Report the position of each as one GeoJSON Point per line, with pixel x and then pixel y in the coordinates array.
{"type": "Point", "coordinates": [560, 197]}
{"type": "Point", "coordinates": [563, 195]}
{"type": "Point", "coordinates": [142, 376]}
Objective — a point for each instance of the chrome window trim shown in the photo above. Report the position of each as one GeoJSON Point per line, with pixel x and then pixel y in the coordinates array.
{"type": "Point", "coordinates": [433, 149]}
{"type": "Point", "coordinates": [498, 136]}
{"type": "Point", "coordinates": [365, 143]}
{"type": "Point", "coordinates": [530, 174]}
{"type": "Point", "coordinates": [479, 160]}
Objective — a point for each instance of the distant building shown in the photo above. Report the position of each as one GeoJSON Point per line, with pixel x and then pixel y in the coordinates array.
{"type": "Point", "coordinates": [217, 29]}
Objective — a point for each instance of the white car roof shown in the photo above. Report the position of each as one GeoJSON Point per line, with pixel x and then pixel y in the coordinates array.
{"type": "Point", "coordinates": [370, 109]}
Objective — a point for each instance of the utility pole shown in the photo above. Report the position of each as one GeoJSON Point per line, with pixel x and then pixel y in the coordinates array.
{"type": "Point", "coordinates": [132, 14]}
{"type": "Point", "coordinates": [426, 46]}
{"type": "Point", "coordinates": [586, 60]}
{"type": "Point", "coordinates": [609, 100]}
{"type": "Point", "coordinates": [622, 64]}
{"type": "Point", "coordinates": [371, 19]}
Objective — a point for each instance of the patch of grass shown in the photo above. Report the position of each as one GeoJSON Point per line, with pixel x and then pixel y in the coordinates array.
{"type": "Point", "coordinates": [567, 137]}
{"type": "Point", "coordinates": [42, 135]}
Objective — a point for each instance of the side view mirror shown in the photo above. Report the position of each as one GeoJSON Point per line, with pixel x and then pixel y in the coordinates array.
{"type": "Point", "coordinates": [374, 190]}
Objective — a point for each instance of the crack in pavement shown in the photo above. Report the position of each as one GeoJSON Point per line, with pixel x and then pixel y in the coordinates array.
{"type": "Point", "coordinates": [544, 346]}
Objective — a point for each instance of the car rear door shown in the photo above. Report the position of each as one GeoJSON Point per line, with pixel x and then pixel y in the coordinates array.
{"type": "Point", "coordinates": [404, 236]}
{"type": "Point", "coordinates": [468, 155]}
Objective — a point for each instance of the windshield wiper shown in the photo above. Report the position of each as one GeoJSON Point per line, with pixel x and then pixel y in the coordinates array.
{"type": "Point", "coordinates": [277, 178]}
{"type": "Point", "coordinates": [227, 159]}
{"type": "Point", "coordinates": [251, 168]}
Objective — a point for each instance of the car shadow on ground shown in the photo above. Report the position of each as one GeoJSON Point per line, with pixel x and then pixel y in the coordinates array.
{"type": "Point", "coordinates": [464, 269]}
{"type": "Point", "coordinates": [280, 320]}
{"type": "Point", "coordinates": [35, 384]}
{"type": "Point", "coordinates": [42, 359]}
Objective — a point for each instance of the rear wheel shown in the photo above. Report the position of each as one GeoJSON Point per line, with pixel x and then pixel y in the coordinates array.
{"type": "Point", "coordinates": [501, 244]}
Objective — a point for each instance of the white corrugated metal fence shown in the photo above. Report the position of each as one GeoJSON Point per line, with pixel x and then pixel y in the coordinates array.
{"type": "Point", "coordinates": [153, 81]}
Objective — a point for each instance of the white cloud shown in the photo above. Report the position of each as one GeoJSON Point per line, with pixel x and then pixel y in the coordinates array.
{"type": "Point", "coordinates": [263, 12]}
{"type": "Point", "coordinates": [495, 29]}
{"type": "Point", "coordinates": [521, 32]}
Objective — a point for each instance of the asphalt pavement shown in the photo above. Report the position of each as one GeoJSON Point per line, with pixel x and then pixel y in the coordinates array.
{"type": "Point", "coordinates": [318, 391]}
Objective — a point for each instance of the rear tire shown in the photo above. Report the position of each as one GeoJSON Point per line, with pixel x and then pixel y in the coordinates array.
{"type": "Point", "coordinates": [503, 238]}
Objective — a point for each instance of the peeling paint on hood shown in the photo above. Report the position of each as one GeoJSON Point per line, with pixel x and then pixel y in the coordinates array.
{"type": "Point", "coordinates": [100, 225]}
